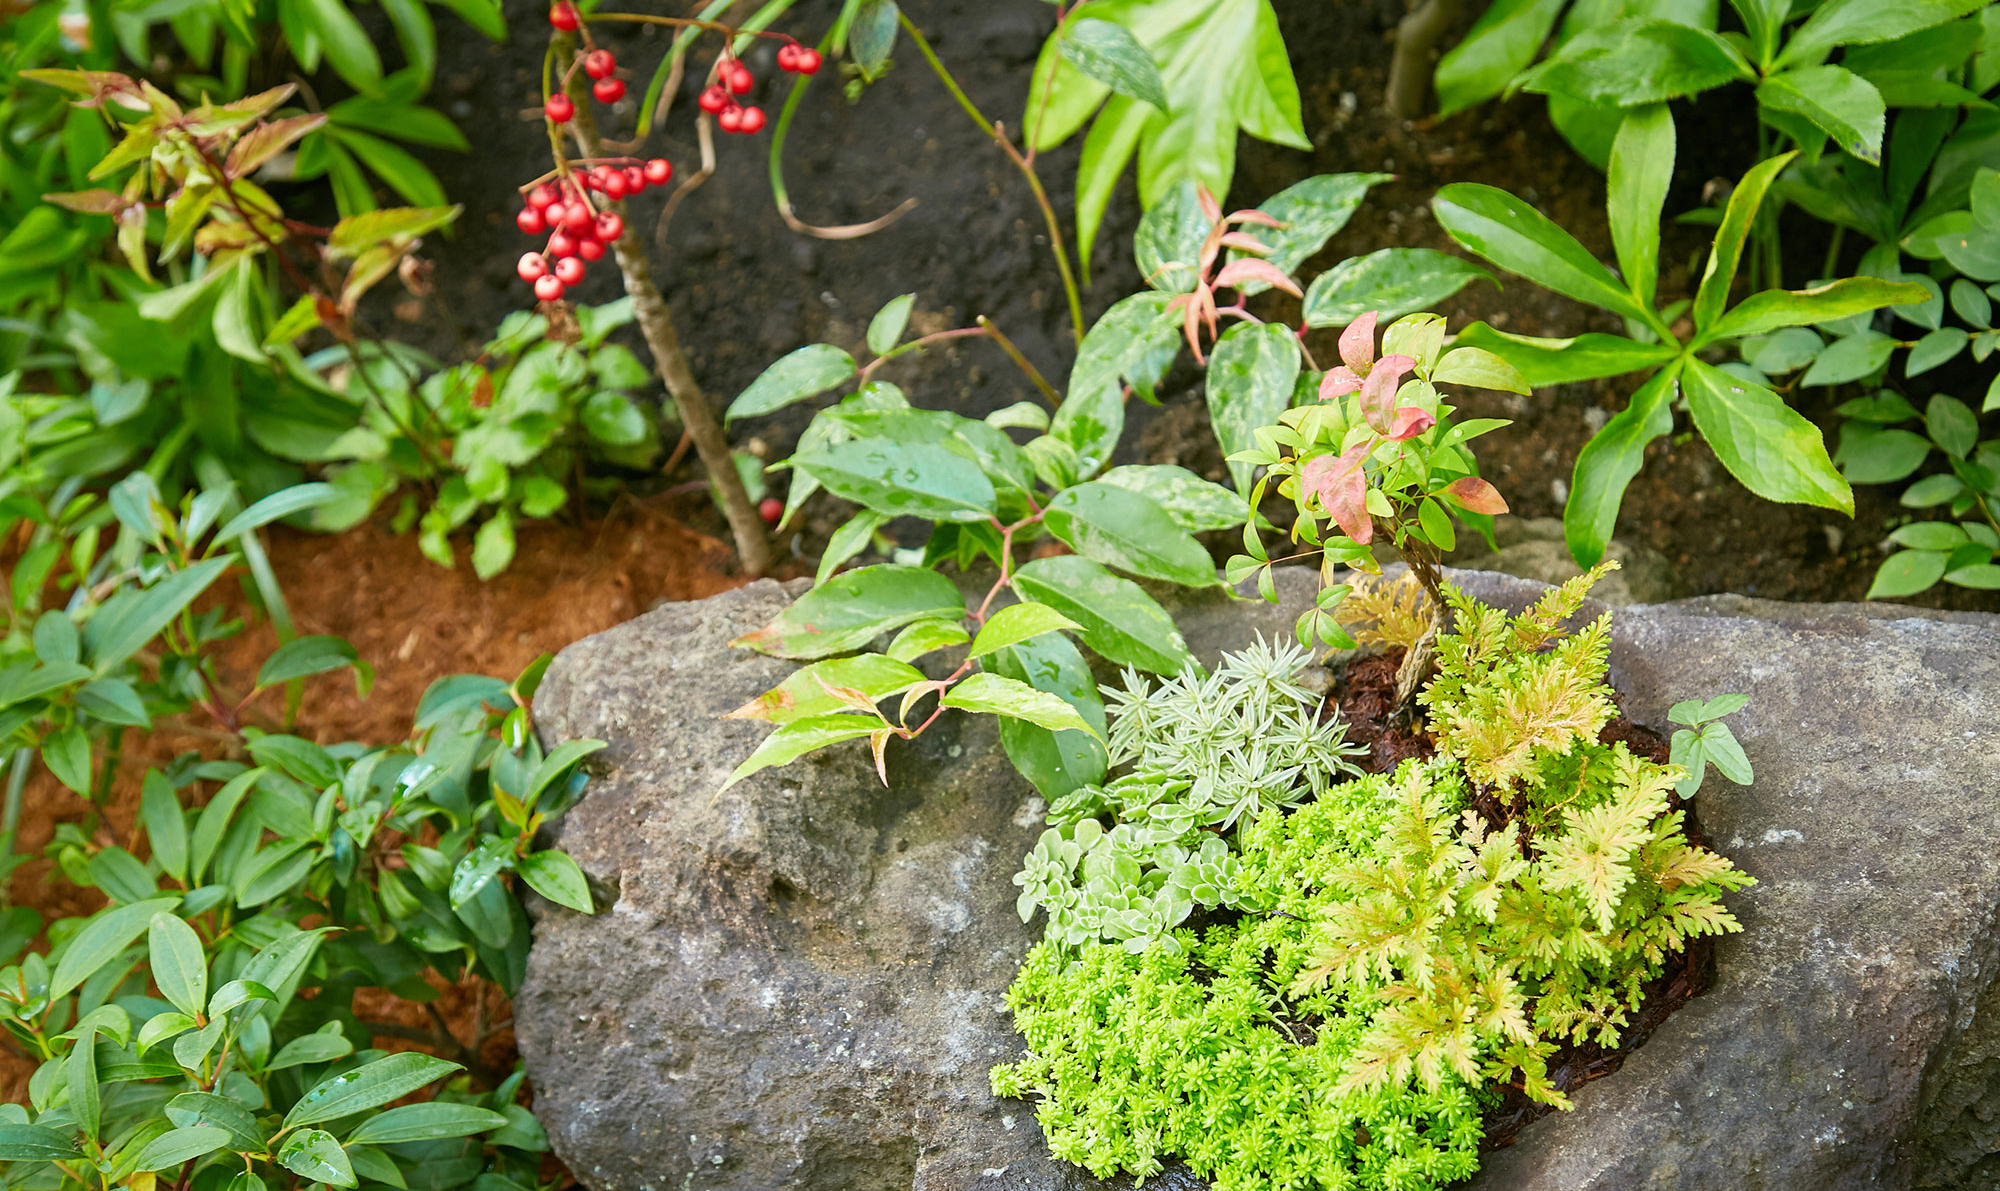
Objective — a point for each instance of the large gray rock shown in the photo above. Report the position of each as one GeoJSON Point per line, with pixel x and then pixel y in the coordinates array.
{"type": "Point", "coordinates": [798, 983]}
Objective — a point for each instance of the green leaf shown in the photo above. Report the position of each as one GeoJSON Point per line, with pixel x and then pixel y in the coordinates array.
{"type": "Point", "coordinates": [1120, 621]}
{"type": "Point", "coordinates": [1907, 572]}
{"type": "Point", "coordinates": [902, 479]}
{"type": "Point", "coordinates": [796, 739]}
{"type": "Point", "coordinates": [1642, 163]}
{"type": "Point", "coordinates": [191, 1109]}
{"type": "Point", "coordinates": [805, 693]}
{"type": "Point", "coordinates": [357, 233]}
{"type": "Point", "coordinates": [1935, 348]}
{"type": "Point", "coordinates": [347, 47]}
{"type": "Point", "coordinates": [1861, 22]}
{"type": "Point", "coordinates": [926, 636]}
{"type": "Point", "coordinates": [101, 939]}
{"type": "Point", "coordinates": [1250, 381]}
{"type": "Point", "coordinates": [166, 826]}
{"type": "Point", "coordinates": [872, 36]}
{"type": "Point", "coordinates": [1111, 55]}
{"type": "Point", "coordinates": [425, 1122]}
{"type": "Point", "coordinates": [1125, 529]}
{"type": "Point", "coordinates": [1391, 282]}
{"type": "Point", "coordinates": [996, 695]}
{"type": "Point", "coordinates": [1056, 762]}
{"type": "Point", "coordinates": [1763, 442]}
{"type": "Point", "coordinates": [1480, 369]}
{"type": "Point", "coordinates": [1952, 425]}
{"type": "Point", "coordinates": [611, 417]}
{"type": "Point", "coordinates": [1638, 61]}
{"type": "Point", "coordinates": [1930, 535]}
{"type": "Point", "coordinates": [807, 372]}
{"type": "Point", "coordinates": [1136, 341]}
{"type": "Point", "coordinates": [314, 1155]}
{"type": "Point", "coordinates": [302, 657]}
{"type": "Point", "coordinates": [853, 609]}
{"type": "Point", "coordinates": [1720, 271]}
{"type": "Point", "coordinates": [1520, 239]}
{"type": "Point", "coordinates": [1850, 358]}
{"type": "Point", "coordinates": [284, 503]}
{"type": "Point", "coordinates": [1839, 102]}
{"type": "Point", "coordinates": [493, 545]}
{"type": "Point", "coordinates": [1311, 211]}
{"type": "Point", "coordinates": [1194, 504]}
{"type": "Point", "coordinates": [113, 701]}
{"type": "Point", "coordinates": [1017, 623]}
{"type": "Point", "coordinates": [128, 620]}
{"type": "Point", "coordinates": [887, 325]}
{"type": "Point", "coordinates": [1774, 308]}
{"type": "Point", "coordinates": [850, 539]}
{"type": "Point", "coordinates": [1983, 576]}
{"type": "Point", "coordinates": [1501, 44]}
{"type": "Point", "coordinates": [1608, 462]}
{"type": "Point", "coordinates": [1543, 362]}
{"type": "Point", "coordinates": [179, 966]}
{"type": "Point", "coordinates": [178, 1146]}
{"type": "Point", "coordinates": [33, 1143]}
{"type": "Point", "coordinates": [367, 1086]}
{"type": "Point", "coordinates": [555, 876]}
{"type": "Point", "coordinates": [1875, 456]}
{"type": "Point", "coordinates": [310, 1048]}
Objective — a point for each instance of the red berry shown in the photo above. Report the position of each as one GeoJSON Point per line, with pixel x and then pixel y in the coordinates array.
{"type": "Point", "coordinates": [787, 57]}
{"type": "Point", "coordinates": [590, 250]}
{"type": "Point", "coordinates": [738, 77]}
{"type": "Point", "coordinates": [608, 90]}
{"type": "Point", "coordinates": [770, 509]}
{"type": "Point", "coordinates": [553, 215]}
{"type": "Point", "coordinates": [548, 288]}
{"type": "Point", "coordinates": [533, 267]}
{"type": "Point", "coordinates": [635, 179]}
{"type": "Point", "coordinates": [752, 120]}
{"type": "Point", "coordinates": [559, 109]}
{"type": "Point", "coordinates": [599, 64]}
{"type": "Point", "coordinates": [806, 61]}
{"type": "Point", "coordinates": [530, 221]}
{"type": "Point", "coordinates": [731, 119]}
{"type": "Point", "coordinates": [562, 244]}
{"type": "Point", "coordinates": [541, 197]}
{"type": "Point", "coordinates": [609, 226]}
{"type": "Point", "coordinates": [576, 217]}
{"type": "Point", "coordinates": [614, 185]}
{"type": "Point", "coordinates": [562, 14]}
{"type": "Point", "coordinates": [714, 98]}
{"type": "Point", "coordinates": [569, 270]}
{"type": "Point", "coordinates": [659, 171]}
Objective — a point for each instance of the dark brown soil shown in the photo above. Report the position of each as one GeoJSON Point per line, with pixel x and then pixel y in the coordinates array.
{"type": "Point", "coordinates": [1364, 695]}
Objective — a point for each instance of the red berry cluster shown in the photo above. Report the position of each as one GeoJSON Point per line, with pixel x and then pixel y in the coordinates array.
{"type": "Point", "coordinates": [577, 231]}
{"type": "Point", "coordinates": [600, 65]}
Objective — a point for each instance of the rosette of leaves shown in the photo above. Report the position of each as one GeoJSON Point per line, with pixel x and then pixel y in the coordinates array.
{"type": "Point", "coordinates": [988, 496]}
{"type": "Point", "coordinates": [1606, 58]}
{"type": "Point", "coordinates": [1766, 445]}
{"type": "Point", "coordinates": [504, 437]}
{"type": "Point", "coordinates": [1203, 755]}
{"type": "Point", "coordinates": [1378, 445]}
{"type": "Point", "coordinates": [302, 873]}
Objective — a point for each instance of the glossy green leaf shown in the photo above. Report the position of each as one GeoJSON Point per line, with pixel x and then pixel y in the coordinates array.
{"type": "Point", "coordinates": [1907, 572]}
{"type": "Point", "coordinates": [1638, 61]}
{"type": "Point", "coordinates": [315, 1156]}
{"type": "Point", "coordinates": [555, 875]}
{"type": "Point", "coordinates": [886, 328]}
{"type": "Point", "coordinates": [1120, 621]}
{"type": "Point", "coordinates": [997, 695]}
{"type": "Point", "coordinates": [1135, 341]}
{"type": "Point", "coordinates": [33, 1143]}
{"type": "Point", "coordinates": [1763, 442]}
{"type": "Point", "coordinates": [1250, 381]}
{"type": "Point", "coordinates": [1391, 282]}
{"type": "Point", "coordinates": [1952, 425]}
{"type": "Point", "coordinates": [1720, 271]}
{"type": "Point", "coordinates": [1513, 235]}
{"type": "Point", "coordinates": [1850, 358]}
{"type": "Point", "coordinates": [192, 1109]}
{"type": "Point", "coordinates": [1608, 462]}
{"type": "Point", "coordinates": [1501, 44]}
{"type": "Point", "coordinates": [853, 609]}
{"type": "Point", "coordinates": [425, 1122]}
{"type": "Point", "coordinates": [902, 479]}
{"type": "Point", "coordinates": [179, 966]}
{"type": "Point", "coordinates": [796, 739]}
{"type": "Point", "coordinates": [926, 636]}
{"type": "Point", "coordinates": [1544, 362]}
{"type": "Point", "coordinates": [1194, 504]}
{"type": "Point", "coordinates": [1017, 623]}
{"type": "Point", "coordinates": [302, 657]}
{"type": "Point", "coordinates": [283, 503]}
{"type": "Point", "coordinates": [1312, 211]}
{"type": "Point", "coordinates": [178, 1146]}
{"type": "Point", "coordinates": [128, 620]}
{"type": "Point", "coordinates": [1774, 308]}
{"type": "Point", "coordinates": [805, 693]}
{"type": "Point", "coordinates": [1860, 22]}
{"type": "Point", "coordinates": [367, 1086]}
{"type": "Point", "coordinates": [614, 419]}
{"type": "Point", "coordinates": [1126, 530]}
{"type": "Point", "coordinates": [311, 1048]}
{"type": "Point", "coordinates": [1056, 762]}
{"type": "Point", "coordinates": [1839, 102]}
{"type": "Point", "coordinates": [101, 939]}
{"type": "Point", "coordinates": [853, 536]}
{"type": "Point", "coordinates": [1478, 368]}
{"type": "Point", "coordinates": [166, 826]}
{"type": "Point", "coordinates": [1110, 54]}
{"type": "Point", "coordinates": [1642, 164]}
{"type": "Point", "coordinates": [872, 35]}
{"type": "Point", "coordinates": [807, 372]}
{"type": "Point", "coordinates": [1871, 455]}
{"type": "Point", "coordinates": [1936, 348]}
{"type": "Point", "coordinates": [347, 46]}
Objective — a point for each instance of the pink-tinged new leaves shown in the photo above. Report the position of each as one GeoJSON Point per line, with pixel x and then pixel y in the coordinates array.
{"type": "Point", "coordinates": [1245, 242]}
{"type": "Point", "coordinates": [1342, 488]}
{"type": "Point", "coordinates": [1253, 215]}
{"type": "Point", "coordinates": [89, 202]}
{"type": "Point", "coordinates": [1209, 207]}
{"type": "Point", "coordinates": [1357, 343]}
{"type": "Point", "coordinates": [1409, 422]}
{"type": "Point", "coordinates": [1236, 272]}
{"type": "Point", "coordinates": [1477, 496]}
{"type": "Point", "coordinates": [1339, 381]}
{"type": "Point", "coordinates": [1378, 392]}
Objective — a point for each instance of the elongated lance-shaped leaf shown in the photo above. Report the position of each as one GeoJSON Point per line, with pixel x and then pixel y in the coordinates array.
{"type": "Point", "coordinates": [1513, 235]}
{"type": "Point", "coordinates": [1608, 462]}
{"type": "Point", "coordinates": [1642, 164]}
{"type": "Point", "coordinates": [1720, 271]}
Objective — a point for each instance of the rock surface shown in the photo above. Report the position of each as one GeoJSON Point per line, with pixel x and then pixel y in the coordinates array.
{"type": "Point", "coordinates": [798, 983]}
{"type": "Point", "coordinates": [1533, 548]}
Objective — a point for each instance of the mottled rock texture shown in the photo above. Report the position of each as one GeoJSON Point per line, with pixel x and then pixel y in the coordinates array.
{"type": "Point", "coordinates": [798, 983]}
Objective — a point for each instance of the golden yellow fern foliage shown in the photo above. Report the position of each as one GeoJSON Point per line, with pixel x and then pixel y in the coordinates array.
{"type": "Point", "coordinates": [1387, 612]}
